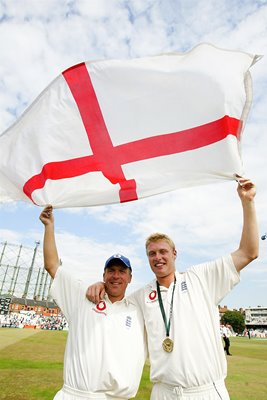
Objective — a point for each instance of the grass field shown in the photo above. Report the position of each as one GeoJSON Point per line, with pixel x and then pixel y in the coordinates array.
{"type": "Point", "coordinates": [31, 364]}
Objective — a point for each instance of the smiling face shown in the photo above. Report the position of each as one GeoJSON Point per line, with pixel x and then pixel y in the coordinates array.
{"type": "Point", "coordinates": [161, 256]}
{"type": "Point", "coordinates": [116, 277]}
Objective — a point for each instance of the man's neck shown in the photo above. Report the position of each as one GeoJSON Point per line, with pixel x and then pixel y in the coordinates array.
{"type": "Point", "coordinates": [166, 281]}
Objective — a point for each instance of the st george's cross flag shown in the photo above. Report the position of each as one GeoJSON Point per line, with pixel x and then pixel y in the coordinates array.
{"type": "Point", "coordinates": [118, 130]}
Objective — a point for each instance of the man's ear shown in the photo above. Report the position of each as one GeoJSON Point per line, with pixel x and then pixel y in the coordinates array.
{"type": "Point", "coordinates": [175, 253]}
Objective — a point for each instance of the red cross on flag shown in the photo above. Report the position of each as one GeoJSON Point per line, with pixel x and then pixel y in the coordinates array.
{"type": "Point", "coordinates": [118, 130]}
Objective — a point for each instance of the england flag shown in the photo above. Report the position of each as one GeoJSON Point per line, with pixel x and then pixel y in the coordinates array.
{"type": "Point", "coordinates": [114, 131]}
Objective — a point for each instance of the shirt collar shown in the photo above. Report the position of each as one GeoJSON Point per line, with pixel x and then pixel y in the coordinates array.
{"type": "Point", "coordinates": [107, 300]}
{"type": "Point", "coordinates": [153, 285]}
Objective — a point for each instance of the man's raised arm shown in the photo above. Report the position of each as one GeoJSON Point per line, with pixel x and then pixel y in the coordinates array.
{"type": "Point", "coordinates": [51, 259]}
{"type": "Point", "coordinates": [249, 244]}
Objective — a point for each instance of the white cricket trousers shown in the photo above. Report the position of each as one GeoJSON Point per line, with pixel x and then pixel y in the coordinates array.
{"type": "Point", "coordinates": [213, 391]}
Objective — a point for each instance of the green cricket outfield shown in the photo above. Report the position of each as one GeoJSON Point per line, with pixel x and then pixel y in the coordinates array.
{"type": "Point", "coordinates": [31, 364]}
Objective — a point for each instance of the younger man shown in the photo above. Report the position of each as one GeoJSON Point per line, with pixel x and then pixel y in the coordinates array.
{"type": "Point", "coordinates": [181, 312]}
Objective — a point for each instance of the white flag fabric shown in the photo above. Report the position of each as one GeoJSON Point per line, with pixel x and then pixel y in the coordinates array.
{"type": "Point", "coordinates": [118, 130]}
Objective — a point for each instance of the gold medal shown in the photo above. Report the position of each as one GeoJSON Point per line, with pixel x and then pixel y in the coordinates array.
{"type": "Point", "coordinates": [167, 345]}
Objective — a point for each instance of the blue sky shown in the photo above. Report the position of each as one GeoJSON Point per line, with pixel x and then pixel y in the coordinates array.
{"type": "Point", "coordinates": [41, 38]}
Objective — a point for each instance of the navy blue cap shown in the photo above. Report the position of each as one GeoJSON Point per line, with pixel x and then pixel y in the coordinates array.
{"type": "Point", "coordinates": [118, 257]}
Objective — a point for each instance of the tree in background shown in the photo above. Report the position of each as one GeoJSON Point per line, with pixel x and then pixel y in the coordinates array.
{"type": "Point", "coordinates": [236, 319]}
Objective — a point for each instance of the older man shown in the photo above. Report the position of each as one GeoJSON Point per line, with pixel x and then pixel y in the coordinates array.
{"type": "Point", "coordinates": [106, 347]}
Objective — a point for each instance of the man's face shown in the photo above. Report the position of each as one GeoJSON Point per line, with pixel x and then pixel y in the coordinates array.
{"type": "Point", "coordinates": [161, 257]}
{"type": "Point", "coordinates": [116, 278]}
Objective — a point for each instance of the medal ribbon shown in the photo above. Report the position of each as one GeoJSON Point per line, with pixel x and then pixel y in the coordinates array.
{"type": "Point", "coordinates": [167, 324]}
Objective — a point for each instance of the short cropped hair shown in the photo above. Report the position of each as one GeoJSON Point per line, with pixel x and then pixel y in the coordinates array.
{"type": "Point", "coordinates": [155, 237]}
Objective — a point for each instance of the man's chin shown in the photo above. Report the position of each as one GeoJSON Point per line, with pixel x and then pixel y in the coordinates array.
{"type": "Point", "coordinates": [114, 291]}
{"type": "Point", "coordinates": [160, 274]}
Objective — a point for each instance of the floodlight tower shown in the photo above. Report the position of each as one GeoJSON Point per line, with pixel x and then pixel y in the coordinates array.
{"type": "Point", "coordinates": [3, 251]}
{"type": "Point", "coordinates": [4, 280]}
{"type": "Point", "coordinates": [30, 270]}
{"type": "Point", "coordinates": [45, 287]}
{"type": "Point", "coordinates": [15, 272]}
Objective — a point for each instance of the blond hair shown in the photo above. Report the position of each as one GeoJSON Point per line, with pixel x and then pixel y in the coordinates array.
{"type": "Point", "coordinates": [155, 237]}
